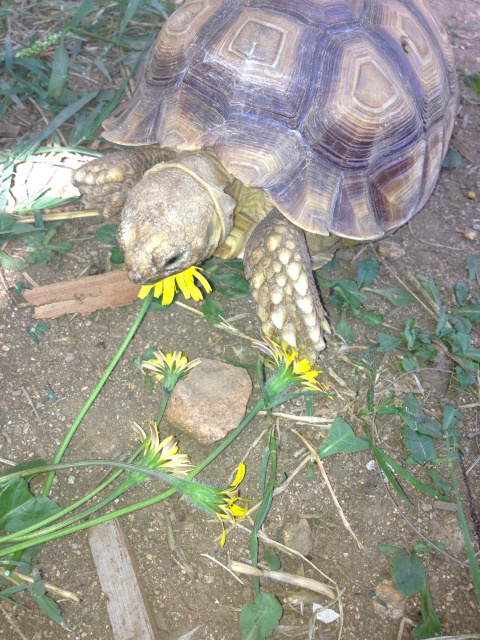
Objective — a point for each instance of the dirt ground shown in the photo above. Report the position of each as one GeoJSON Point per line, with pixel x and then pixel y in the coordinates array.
{"type": "Point", "coordinates": [72, 355]}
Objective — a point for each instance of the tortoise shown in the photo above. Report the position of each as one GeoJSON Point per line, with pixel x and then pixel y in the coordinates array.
{"type": "Point", "coordinates": [277, 128]}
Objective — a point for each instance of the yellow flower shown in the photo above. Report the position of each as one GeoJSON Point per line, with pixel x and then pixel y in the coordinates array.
{"type": "Point", "coordinates": [288, 369]}
{"type": "Point", "coordinates": [162, 456]}
{"type": "Point", "coordinates": [172, 366]}
{"type": "Point", "coordinates": [228, 509]}
{"type": "Point", "coordinates": [221, 503]}
{"type": "Point", "coordinates": [184, 281]}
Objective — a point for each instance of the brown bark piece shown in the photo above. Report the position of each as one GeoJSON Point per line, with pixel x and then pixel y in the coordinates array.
{"type": "Point", "coordinates": [130, 614]}
{"type": "Point", "coordinates": [83, 295]}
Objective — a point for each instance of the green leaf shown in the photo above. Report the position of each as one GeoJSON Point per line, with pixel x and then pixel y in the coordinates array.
{"type": "Point", "coordinates": [235, 263]}
{"type": "Point", "coordinates": [13, 494]}
{"type": "Point", "coordinates": [269, 460]}
{"type": "Point", "coordinates": [458, 323]}
{"type": "Point", "coordinates": [462, 345]}
{"type": "Point", "coordinates": [107, 233]}
{"type": "Point", "coordinates": [259, 619]}
{"type": "Point", "coordinates": [387, 342]}
{"type": "Point", "coordinates": [410, 333]}
{"type": "Point", "coordinates": [367, 272]}
{"type": "Point", "coordinates": [148, 354]}
{"type": "Point", "coordinates": [7, 221]}
{"type": "Point", "coordinates": [32, 335]}
{"type": "Point", "coordinates": [464, 379]}
{"type": "Point", "coordinates": [452, 160]}
{"type": "Point", "coordinates": [213, 310]}
{"type": "Point", "coordinates": [473, 266]}
{"type": "Point", "coordinates": [408, 573]}
{"type": "Point", "coordinates": [472, 81]}
{"type": "Point", "coordinates": [431, 626]}
{"type": "Point", "coordinates": [311, 473]}
{"type": "Point", "coordinates": [388, 549]}
{"type": "Point", "coordinates": [461, 292]}
{"type": "Point", "coordinates": [371, 318]}
{"type": "Point", "coordinates": [397, 297]}
{"type": "Point", "coordinates": [439, 483]}
{"type": "Point", "coordinates": [272, 560]}
{"type": "Point", "coordinates": [426, 547]}
{"type": "Point", "coordinates": [431, 287]}
{"type": "Point", "coordinates": [387, 462]}
{"type": "Point", "coordinates": [116, 256]}
{"type": "Point", "coordinates": [409, 364]}
{"type": "Point", "coordinates": [49, 606]}
{"type": "Point", "coordinates": [28, 513]}
{"type": "Point", "coordinates": [11, 264]}
{"type": "Point", "coordinates": [231, 285]}
{"type": "Point", "coordinates": [41, 327]}
{"type": "Point", "coordinates": [451, 416]}
{"type": "Point", "coordinates": [420, 446]}
{"type": "Point", "coordinates": [381, 458]}
{"type": "Point", "coordinates": [343, 328]}
{"type": "Point", "coordinates": [415, 418]}
{"type": "Point", "coordinates": [471, 312]}
{"type": "Point", "coordinates": [341, 439]}
{"type": "Point", "coordinates": [323, 282]}
{"type": "Point", "coordinates": [428, 353]}
{"type": "Point", "coordinates": [347, 290]}
{"type": "Point", "coordinates": [333, 264]}
{"type": "Point", "coordinates": [59, 73]}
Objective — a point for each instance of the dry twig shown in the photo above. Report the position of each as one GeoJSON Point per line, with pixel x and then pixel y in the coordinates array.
{"type": "Point", "coordinates": [346, 524]}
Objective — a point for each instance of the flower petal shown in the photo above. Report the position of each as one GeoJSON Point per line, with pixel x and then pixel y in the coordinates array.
{"type": "Point", "coordinates": [203, 281]}
{"type": "Point", "coordinates": [240, 475]}
{"type": "Point", "coordinates": [169, 290]}
{"type": "Point", "coordinates": [224, 535]}
{"type": "Point", "coordinates": [144, 291]}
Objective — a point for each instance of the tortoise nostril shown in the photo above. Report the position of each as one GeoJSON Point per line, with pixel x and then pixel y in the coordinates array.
{"type": "Point", "coordinates": [174, 260]}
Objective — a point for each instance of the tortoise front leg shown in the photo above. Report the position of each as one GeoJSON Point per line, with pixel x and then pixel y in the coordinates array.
{"type": "Point", "coordinates": [277, 265]}
{"type": "Point", "coordinates": [106, 182]}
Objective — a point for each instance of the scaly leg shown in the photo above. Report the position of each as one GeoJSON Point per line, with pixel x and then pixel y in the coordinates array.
{"type": "Point", "coordinates": [106, 182]}
{"type": "Point", "coordinates": [277, 265]}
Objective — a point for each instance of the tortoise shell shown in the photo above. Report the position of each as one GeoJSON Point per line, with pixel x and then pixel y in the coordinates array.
{"type": "Point", "coordinates": [340, 109]}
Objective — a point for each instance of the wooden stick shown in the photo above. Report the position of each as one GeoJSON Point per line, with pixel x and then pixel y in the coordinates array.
{"type": "Point", "coordinates": [128, 607]}
{"type": "Point", "coordinates": [83, 295]}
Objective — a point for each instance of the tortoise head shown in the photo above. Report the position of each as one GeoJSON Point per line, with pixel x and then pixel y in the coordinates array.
{"type": "Point", "coordinates": [174, 218]}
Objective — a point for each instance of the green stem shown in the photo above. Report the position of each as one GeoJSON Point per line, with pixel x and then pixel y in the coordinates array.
{"type": "Point", "coordinates": [40, 537]}
{"type": "Point", "coordinates": [23, 534]}
{"type": "Point", "coordinates": [472, 560]}
{"type": "Point", "coordinates": [166, 397]}
{"type": "Point", "coordinates": [229, 439]}
{"type": "Point", "coordinates": [98, 388]}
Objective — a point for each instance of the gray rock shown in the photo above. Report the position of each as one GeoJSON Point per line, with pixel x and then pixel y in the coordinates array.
{"type": "Point", "coordinates": [298, 536]}
{"type": "Point", "coordinates": [210, 401]}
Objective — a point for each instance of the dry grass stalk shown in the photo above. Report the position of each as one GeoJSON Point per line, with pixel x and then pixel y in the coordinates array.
{"type": "Point", "coordinates": [281, 576]}
{"type": "Point", "coordinates": [346, 524]}
{"type": "Point", "coordinates": [17, 577]}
